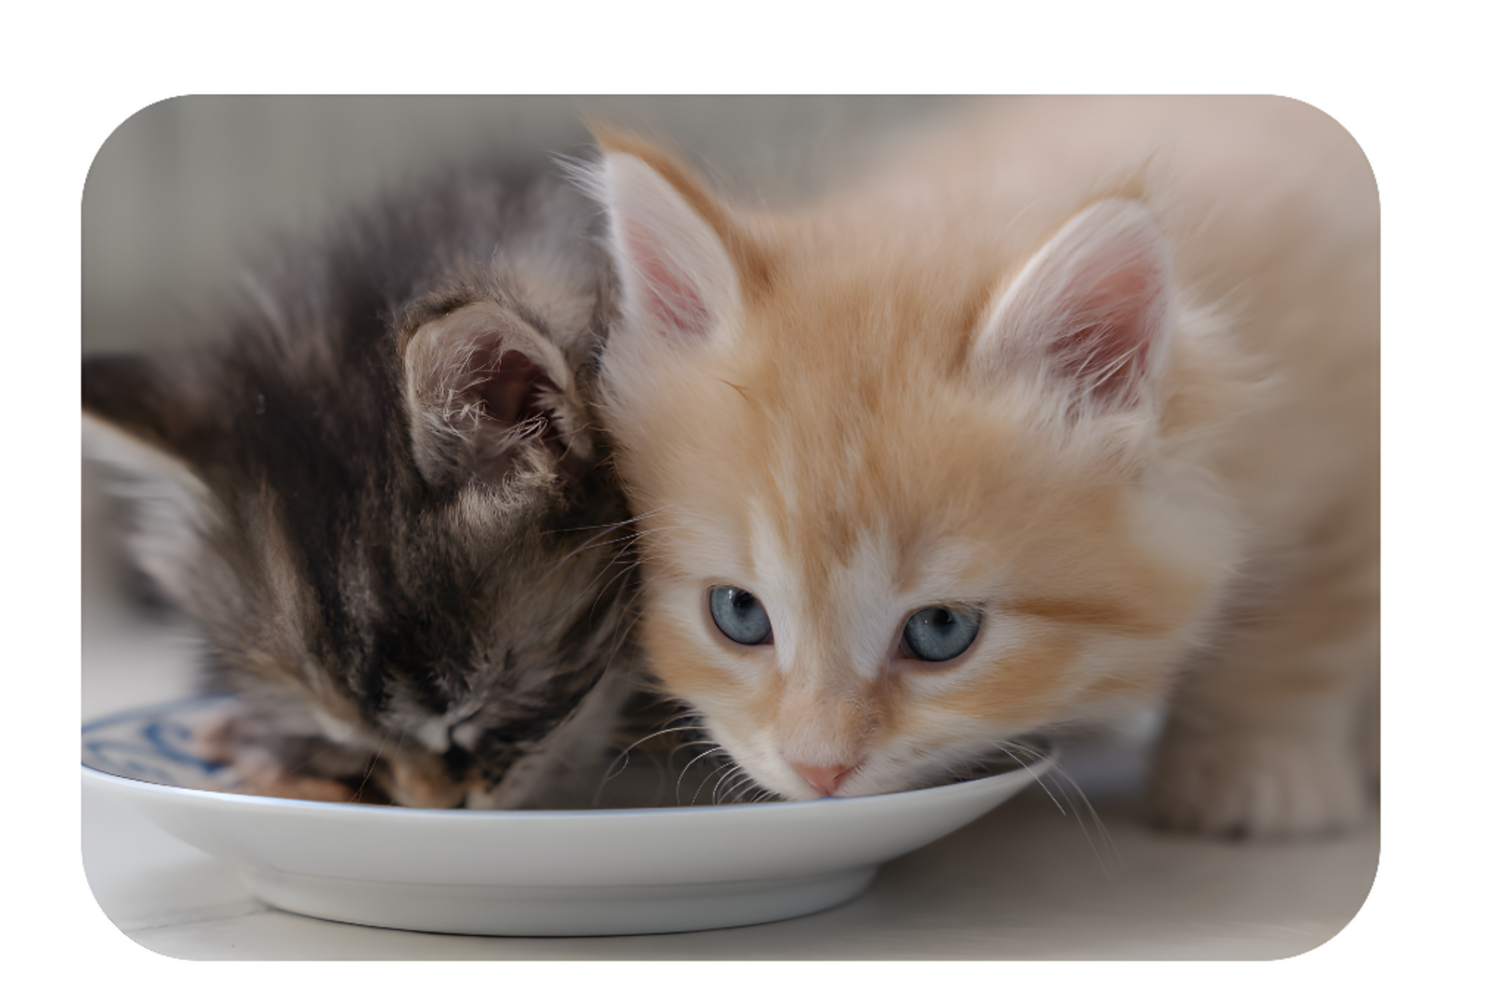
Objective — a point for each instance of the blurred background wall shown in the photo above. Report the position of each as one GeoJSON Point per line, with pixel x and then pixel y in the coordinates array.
{"type": "Point", "coordinates": [185, 188]}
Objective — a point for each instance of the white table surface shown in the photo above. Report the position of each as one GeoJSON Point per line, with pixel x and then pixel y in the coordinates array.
{"type": "Point", "coordinates": [1026, 882]}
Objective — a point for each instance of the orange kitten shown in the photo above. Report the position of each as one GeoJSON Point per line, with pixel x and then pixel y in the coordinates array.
{"type": "Point", "coordinates": [1068, 413]}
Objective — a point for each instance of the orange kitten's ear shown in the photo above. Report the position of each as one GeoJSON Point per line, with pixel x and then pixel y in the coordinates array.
{"type": "Point", "coordinates": [1088, 311]}
{"type": "Point", "coordinates": [483, 390]}
{"type": "Point", "coordinates": [678, 281]}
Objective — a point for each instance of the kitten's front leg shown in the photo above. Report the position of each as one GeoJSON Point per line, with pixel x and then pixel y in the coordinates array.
{"type": "Point", "coordinates": [1277, 734]}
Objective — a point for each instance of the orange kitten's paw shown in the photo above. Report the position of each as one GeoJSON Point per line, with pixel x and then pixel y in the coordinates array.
{"type": "Point", "coordinates": [1256, 787]}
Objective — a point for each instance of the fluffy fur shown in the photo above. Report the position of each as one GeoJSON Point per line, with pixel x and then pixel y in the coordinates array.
{"type": "Point", "coordinates": [1102, 372]}
{"type": "Point", "coordinates": [380, 496]}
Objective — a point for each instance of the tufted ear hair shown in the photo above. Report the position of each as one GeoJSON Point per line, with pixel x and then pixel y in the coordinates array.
{"type": "Point", "coordinates": [487, 394]}
{"type": "Point", "coordinates": [1088, 312]}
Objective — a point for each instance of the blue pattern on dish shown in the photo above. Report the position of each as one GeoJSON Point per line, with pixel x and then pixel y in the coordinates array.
{"type": "Point", "coordinates": [157, 744]}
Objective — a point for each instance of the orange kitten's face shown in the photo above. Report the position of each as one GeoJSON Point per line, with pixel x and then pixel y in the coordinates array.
{"type": "Point", "coordinates": [870, 558]}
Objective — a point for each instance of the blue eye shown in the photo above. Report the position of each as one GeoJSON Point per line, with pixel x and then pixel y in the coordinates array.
{"type": "Point", "coordinates": [937, 634]}
{"type": "Point", "coordinates": [739, 615]}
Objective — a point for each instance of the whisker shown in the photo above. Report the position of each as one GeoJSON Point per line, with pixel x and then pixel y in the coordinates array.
{"type": "Point", "coordinates": [370, 766]}
{"type": "Point", "coordinates": [748, 788]}
{"type": "Point", "coordinates": [706, 753]}
{"type": "Point", "coordinates": [1006, 748]}
{"type": "Point", "coordinates": [1059, 776]}
{"type": "Point", "coordinates": [587, 544]}
{"type": "Point", "coordinates": [314, 758]}
{"type": "Point", "coordinates": [624, 761]}
{"type": "Point", "coordinates": [711, 773]}
{"type": "Point", "coordinates": [735, 770]}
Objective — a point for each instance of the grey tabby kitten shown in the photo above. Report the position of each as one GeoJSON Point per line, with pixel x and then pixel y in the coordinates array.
{"type": "Point", "coordinates": [381, 497]}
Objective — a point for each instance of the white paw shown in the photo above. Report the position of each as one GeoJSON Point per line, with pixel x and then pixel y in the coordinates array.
{"type": "Point", "coordinates": [1256, 786]}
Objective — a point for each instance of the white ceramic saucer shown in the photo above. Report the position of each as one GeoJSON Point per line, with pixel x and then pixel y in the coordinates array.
{"type": "Point", "coordinates": [574, 873]}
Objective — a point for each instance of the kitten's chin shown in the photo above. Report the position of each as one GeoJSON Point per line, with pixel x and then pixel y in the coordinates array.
{"type": "Point", "coordinates": [884, 775]}
{"type": "Point", "coordinates": [855, 785]}
{"type": "Point", "coordinates": [871, 776]}
{"type": "Point", "coordinates": [894, 766]}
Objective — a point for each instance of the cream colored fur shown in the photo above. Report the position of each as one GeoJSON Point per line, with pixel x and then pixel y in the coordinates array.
{"type": "Point", "coordinates": [873, 407]}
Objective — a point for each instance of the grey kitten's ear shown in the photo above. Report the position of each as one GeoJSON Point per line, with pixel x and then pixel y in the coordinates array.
{"type": "Point", "coordinates": [1088, 312]}
{"type": "Point", "coordinates": [488, 394]}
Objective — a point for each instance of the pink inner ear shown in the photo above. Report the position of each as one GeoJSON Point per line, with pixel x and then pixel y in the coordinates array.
{"type": "Point", "coordinates": [510, 393]}
{"type": "Point", "coordinates": [1111, 320]}
{"type": "Point", "coordinates": [668, 296]}
{"type": "Point", "coordinates": [511, 388]}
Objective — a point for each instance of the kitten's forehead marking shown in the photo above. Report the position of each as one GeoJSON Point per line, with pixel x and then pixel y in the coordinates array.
{"type": "Point", "coordinates": [835, 616]}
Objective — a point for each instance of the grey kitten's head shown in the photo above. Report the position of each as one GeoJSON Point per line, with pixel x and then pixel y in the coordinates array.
{"type": "Point", "coordinates": [382, 497]}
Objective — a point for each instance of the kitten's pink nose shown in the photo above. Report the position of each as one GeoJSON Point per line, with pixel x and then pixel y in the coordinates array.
{"type": "Point", "coordinates": [825, 780]}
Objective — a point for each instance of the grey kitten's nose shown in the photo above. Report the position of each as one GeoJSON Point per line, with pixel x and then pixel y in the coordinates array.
{"type": "Point", "coordinates": [824, 780]}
